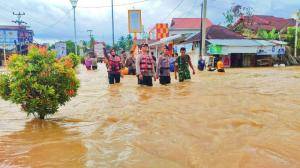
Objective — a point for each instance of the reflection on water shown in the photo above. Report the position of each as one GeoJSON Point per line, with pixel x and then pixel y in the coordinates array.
{"type": "Point", "coordinates": [245, 118]}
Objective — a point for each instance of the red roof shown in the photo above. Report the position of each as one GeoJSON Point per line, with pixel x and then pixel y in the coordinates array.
{"type": "Point", "coordinates": [188, 23]}
{"type": "Point", "coordinates": [217, 32]}
{"type": "Point", "coordinates": [257, 22]}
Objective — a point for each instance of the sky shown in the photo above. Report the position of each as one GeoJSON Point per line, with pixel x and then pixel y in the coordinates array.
{"type": "Point", "coordinates": [52, 20]}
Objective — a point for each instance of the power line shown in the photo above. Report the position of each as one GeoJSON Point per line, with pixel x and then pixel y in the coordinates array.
{"type": "Point", "coordinates": [191, 10]}
{"type": "Point", "coordinates": [115, 5]}
{"type": "Point", "coordinates": [173, 11]}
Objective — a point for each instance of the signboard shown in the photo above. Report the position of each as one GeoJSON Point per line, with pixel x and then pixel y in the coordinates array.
{"type": "Point", "coordinates": [135, 21]}
{"type": "Point", "coordinates": [8, 36]}
{"type": "Point", "coordinates": [98, 49]}
{"type": "Point", "coordinates": [215, 49]}
{"type": "Point", "coordinates": [61, 49]}
{"type": "Point", "coordinates": [271, 50]}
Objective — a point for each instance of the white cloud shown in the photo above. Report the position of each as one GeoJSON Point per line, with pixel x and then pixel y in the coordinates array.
{"type": "Point", "coordinates": [53, 19]}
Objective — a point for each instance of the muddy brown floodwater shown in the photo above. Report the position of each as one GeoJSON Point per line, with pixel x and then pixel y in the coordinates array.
{"type": "Point", "coordinates": [245, 118]}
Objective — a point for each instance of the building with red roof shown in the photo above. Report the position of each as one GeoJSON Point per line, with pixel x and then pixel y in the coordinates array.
{"type": "Point", "coordinates": [258, 22]}
{"type": "Point", "coordinates": [187, 25]}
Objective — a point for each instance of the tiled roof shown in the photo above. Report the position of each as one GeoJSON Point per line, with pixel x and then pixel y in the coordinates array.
{"type": "Point", "coordinates": [188, 23]}
{"type": "Point", "coordinates": [217, 32]}
{"type": "Point", "coordinates": [257, 22]}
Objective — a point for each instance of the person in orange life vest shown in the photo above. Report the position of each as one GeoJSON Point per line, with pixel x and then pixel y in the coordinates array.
{"type": "Point", "coordinates": [163, 67]}
{"type": "Point", "coordinates": [114, 65]}
{"type": "Point", "coordinates": [145, 67]}
{"type": "Point", "coordinates": [220, 65]}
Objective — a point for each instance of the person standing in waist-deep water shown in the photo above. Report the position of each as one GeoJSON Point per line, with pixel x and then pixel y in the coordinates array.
{"type": "Point", "coordinates": [145, 67]}
{"type": "Point", "coordinates": [182, 64]}
{"type": "Point", "coordinates": [201, 64]}
{"type": "Point", "coordinates": [130, 63]}
{"type": "Point", "coordinates": [114, 66]}
{"type": "Point", "coordinates": [88, 62]}
{"type": "Point", "coordinates": [163, 67]}
{"type": "Point", "coordinates": [220, 65]}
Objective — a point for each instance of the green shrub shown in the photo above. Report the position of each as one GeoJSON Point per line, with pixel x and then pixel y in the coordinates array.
{"type": "Point", "coordinates": [39, 82]}
{"type": "Point", "coordinates": [75, 58]}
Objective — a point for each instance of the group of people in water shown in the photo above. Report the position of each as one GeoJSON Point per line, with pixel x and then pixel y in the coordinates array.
{"type": "Point", "coordinates": [147, 68]}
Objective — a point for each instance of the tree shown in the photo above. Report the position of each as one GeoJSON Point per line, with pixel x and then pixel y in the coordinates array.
{"type": "Point", "coordinates": [39, 82]}
{"type": "Point", "coordinates": [122, 43]}
{"type": "Point", "coordinates": [291, 31]}
{"type": "Point", "coordinates": [235, 12]}
{"type": "Point", "coordinates": [129, 42]}
{"type": "Point", "coordinates": [71, 47]}
{"type": "Point", "coordinates": [272, 35]}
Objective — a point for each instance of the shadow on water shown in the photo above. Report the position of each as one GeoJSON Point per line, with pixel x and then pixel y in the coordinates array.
{"type": "Point", "coordinates": [42, 144]}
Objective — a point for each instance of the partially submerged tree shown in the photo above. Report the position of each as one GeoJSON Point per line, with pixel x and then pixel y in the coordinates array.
{"type": "Point", "coordinates": [39, 82]}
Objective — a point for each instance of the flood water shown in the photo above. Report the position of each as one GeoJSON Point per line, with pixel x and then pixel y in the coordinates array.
{"type": "Point", "coordinates": [245, 118]}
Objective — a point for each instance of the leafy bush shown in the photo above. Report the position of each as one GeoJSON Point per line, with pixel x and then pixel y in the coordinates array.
{"type": "Point", "coordinates": [39, 82]}
{"type": "Point", "coordinates": [75, 59]}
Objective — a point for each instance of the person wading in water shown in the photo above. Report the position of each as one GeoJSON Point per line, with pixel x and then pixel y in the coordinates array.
{"type": "Point", "coordinates": [163, 67]}
{"type": "Point", "coordinates": [145, 67]}
{"type": "Point", "coordinates": [182, 64]}
{"type": "Point", "coordinates": [114, 65]}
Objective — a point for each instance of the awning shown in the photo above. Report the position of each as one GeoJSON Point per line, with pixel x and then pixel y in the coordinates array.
{"type": "Point", "coordinates": [236, 42]}
{"type": "Point", "coordinates": [176, 38]}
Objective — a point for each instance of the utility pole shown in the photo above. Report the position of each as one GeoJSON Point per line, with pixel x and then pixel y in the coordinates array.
{"type": "Point", "coordinates": [4, 49]}
{"type": "Point", "coordinates": [91, 40]}
{"type": "Point", "coordinates": [74, 5]}
{"type": "Point", "coordinates": [201, 29]}
{"type": "Point", "coordinates": [112, 22]}
{"type": "Point", "coordinates": [91, 33]}
{"type": "Point", "coordinates": [19, 21]}
{"type": "Point", "coordinates": [203, 47]}
{"type": "Point", "coordinates": [19, 16]}
{"type": "Point", "coordinates": [297, 18]}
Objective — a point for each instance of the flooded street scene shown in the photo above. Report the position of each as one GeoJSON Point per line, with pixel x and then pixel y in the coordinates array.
{"type": "Point", "coordinates": [244, 118]}
{"type": "Point", "coordinates": [150, 84]}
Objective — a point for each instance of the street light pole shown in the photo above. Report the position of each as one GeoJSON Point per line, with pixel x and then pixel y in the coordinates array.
{"type": "Point", "coordinates": [74, 4]}
{"type": "Point", "coordinates": [203, 48]}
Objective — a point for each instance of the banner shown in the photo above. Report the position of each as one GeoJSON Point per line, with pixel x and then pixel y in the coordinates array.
{"type": "Point", "coordinates": [162, 31]}
{"type": "Point", "coordinates": [98, 49]}
{"type": "Point", "coordinates": [8, 36]}
{"type": "Point", "coordinates": [135, 21]}
{"type": "Point", "coordinates": [61, 49]}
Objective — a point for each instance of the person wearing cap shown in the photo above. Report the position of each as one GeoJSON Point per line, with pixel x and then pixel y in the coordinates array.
{"type": "Point", "coordinates": [163, 67]}
{"type": "Point", "coordinates": [182, 64]}
{"type": "Point", "coordinates": [145, 67]}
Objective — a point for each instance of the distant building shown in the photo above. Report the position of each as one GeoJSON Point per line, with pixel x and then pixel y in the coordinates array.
{"type": "Point", "coordinates": [262, 22]}
{"type": "Point", "coordinates": [187, 25]}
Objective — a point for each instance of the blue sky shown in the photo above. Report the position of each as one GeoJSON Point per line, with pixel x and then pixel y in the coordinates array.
{"type": "Point", "coordinates": [51, 20]}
